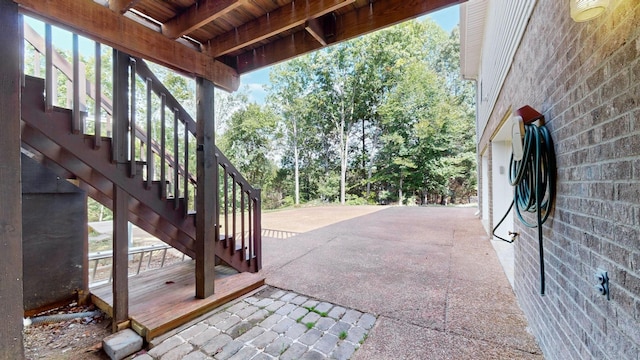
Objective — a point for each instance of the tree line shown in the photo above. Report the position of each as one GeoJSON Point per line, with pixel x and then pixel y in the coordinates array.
{"type": "Point", "coordinates": [384, 118]}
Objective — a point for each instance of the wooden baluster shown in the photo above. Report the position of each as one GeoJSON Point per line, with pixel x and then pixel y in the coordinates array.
{"type": "Point", "coordinates": [98, 99]}
{"type": "Point", "coordinates": [233, 214]}
{"type": "Point", "coordinates": [257, 233]}
{"type": "Point", "coordinates": [132, 115]}
{"type": "Point", "coordinates": [75, 124]}
{"type": "Point", "coordinates": [49, 92]}
{"type": "Point", "coordinates": [242, 217]}
{"type": "Point", "coordinates": [250, 223]}
{"type": "Point", "coordinates": [185, 174]}
{"type": "Point", "coordinates": [176, 153]}
{"type": "Point", "coordinates": [226, 205]}
{"type": "Point", "coordinates": [120, 118]}
{"type": "Point", "coordinates": [163, 148]}
{"type": "Point", "coordinates": [216, 193]}
{"type": "Point", "coordinates": [82, 96]}
{"type": "Point", "coordinates": [149, 156]}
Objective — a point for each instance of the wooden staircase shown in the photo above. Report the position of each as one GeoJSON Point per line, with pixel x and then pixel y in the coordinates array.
{"type": "Point", "coordinates": [50, 134]}
{"type": "Point", "coordinates": [148, 164]}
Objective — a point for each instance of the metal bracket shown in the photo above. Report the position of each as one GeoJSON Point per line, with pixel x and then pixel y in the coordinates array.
{"type": "Point", "coordinates": [603, 282]}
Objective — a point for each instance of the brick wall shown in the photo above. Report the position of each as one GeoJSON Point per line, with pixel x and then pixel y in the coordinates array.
{"type": "Point", "coordinates": [585, 78]}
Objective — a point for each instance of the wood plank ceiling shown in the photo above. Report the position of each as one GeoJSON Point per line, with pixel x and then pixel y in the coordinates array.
{"type": "Point", "coordinates": [221, 39]}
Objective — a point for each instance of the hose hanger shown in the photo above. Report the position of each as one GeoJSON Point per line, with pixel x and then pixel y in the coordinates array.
{"type": "Point", "coordinates": [532, 173]}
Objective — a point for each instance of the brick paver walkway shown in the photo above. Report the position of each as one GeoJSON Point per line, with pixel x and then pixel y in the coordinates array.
{"type": "Point", "coordinates": [270, 324]}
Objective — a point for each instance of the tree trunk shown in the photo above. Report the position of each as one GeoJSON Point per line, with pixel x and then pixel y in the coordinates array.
{"type": "Point", "coordinates": [344, 146]}
{"type": "Point", "coordinates": [296, 163]}
{"type": "Point", "coordinates": [370, 166]}
{"type": "Point", "coordinates": [343, 170]}
{"type": "Point", "coordinates": [400, 190]}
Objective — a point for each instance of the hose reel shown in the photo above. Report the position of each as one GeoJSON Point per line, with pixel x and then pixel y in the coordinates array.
{"type": "Point", "coordinates": [532, 173]}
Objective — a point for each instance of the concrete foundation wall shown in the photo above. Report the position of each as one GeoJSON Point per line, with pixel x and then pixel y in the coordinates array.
{"type": "Point", "coordinates": [54, 222]}
{"type": "Point", "coordinates": [585, 79]}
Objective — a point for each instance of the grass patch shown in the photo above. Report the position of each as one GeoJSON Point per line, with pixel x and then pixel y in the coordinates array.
{"type": "Point", "coordinates": [310, 325]}
{"type": "Point", "coordinates": [343, 335]}
{"type": "Point", "coordinates": [299, 319]}
{"type": "Point", "coordinates": [313, 309]}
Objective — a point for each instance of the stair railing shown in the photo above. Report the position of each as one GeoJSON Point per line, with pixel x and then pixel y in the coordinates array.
{"type": "Point", "coordinates": [238, 202]}
{"type": "Point", "coordinates": [162, 153]}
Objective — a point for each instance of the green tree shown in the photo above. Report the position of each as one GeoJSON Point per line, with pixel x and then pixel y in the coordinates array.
{"type": "Point", "coordinates": [248, 143]}
{"type": "Point", "coordinates": [291, 84]}
{"type": "Point", "coordinates": [385, 113]}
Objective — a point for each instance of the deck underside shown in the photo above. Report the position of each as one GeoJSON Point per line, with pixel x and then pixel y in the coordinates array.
{"type": "Point", "coordinates": [164, 299]}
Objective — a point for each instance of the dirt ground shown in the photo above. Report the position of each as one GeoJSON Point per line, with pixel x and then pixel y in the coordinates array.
{"type": "Point", "coordinates": [82, 338]}
{"type": "Point", "coordinates": [305, 219]}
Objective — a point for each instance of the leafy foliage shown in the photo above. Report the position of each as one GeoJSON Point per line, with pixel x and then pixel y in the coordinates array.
{"type": "Point", "coordinates": [384, 117]}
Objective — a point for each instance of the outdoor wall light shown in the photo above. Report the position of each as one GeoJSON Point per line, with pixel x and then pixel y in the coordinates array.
{"type": "Point", "coordinates": [585, 10]}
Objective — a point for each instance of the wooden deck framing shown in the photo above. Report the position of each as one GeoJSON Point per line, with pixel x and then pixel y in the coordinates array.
{"type": "Point", "coordinates": [164, 299]}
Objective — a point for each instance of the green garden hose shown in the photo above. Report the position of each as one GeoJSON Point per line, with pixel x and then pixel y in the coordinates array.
{"type": "Point", "coordinates": [534, 182]}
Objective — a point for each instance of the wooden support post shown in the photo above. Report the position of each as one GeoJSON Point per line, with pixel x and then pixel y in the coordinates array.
{"type": "Point", "coordinates": [120, 137]}
{"type": "Point", "coordinates": [120, 267]}
{"type": "Point", "coordinates": [11, 343]}
{"type": "Point", "coordinates": [120, 148]}
{"type": "Point", "coordinates": [206, 196]}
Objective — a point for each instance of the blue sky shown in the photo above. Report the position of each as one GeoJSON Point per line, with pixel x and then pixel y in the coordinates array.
{"type": "Point", "coordinates": [447, 18]}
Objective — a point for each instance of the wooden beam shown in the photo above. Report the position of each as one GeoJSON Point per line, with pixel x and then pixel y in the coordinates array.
{"type": "Point", "coordinates": [206, 199]}
{"type": "Point", "coordinates": [197, 15]}
{"type": "Point", "coordinates": [11, 343]}
{"type": "Point", "coordinates": [120, 267]}
{"type": "Point", "coordinates": [380, 14]}
{"type": "Point", "coordinates": [121, 6]}
{"type": "Point", "coordinates": [293, 45]}
{"type": "Point", "coordinates": [315, 29]}
{"type": "Point", "coordinates": [97, 22]}
{"type": "Point", "coordinates": [273, 23]}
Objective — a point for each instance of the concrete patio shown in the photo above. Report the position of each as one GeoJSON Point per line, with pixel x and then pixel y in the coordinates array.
{"type": "Point", "coordinates": [428, 274]}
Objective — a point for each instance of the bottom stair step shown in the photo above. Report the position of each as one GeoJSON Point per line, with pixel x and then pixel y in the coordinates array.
{"type": "Point", "coordinates": [165, 299]}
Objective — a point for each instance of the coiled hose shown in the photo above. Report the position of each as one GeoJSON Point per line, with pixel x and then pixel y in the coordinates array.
{"type": "Point", "coordinates": [534, 182]}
